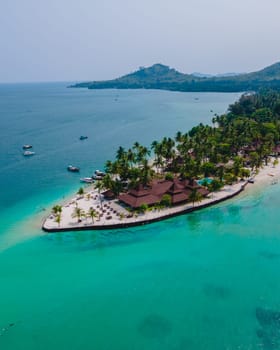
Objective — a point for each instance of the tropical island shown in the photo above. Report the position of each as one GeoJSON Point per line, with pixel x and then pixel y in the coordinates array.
{"type": "Point", "coordinates": [162, 77]}
{"type": "Point", "coordinates": [201, 167]}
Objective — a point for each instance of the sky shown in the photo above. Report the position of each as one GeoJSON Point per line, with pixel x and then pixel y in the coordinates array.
{"type": "Point", "coordinates": [81, 40]}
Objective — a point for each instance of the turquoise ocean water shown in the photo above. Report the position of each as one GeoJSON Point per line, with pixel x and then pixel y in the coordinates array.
{"type": "Point", "coordinates": [207, 280]}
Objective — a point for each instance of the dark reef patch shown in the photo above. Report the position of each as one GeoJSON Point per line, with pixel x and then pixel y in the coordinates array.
{"type": "Point", "coordinates": [269, 333]}
{"type": "Point", "coordinates": [267, 317]}
{"type": "Point", "coordinates": [269, 255]}
{"type": "Point", "coordinates": [215, 291]}
{"type": "Point", "coordinates": [155, 326]}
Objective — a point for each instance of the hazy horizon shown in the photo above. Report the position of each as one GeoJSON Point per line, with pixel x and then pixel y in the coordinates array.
{"type": "Point", "coordinates": [65, 41]}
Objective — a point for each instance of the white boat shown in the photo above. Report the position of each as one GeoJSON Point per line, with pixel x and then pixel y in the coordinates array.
{"type": "Point", "coordinates": [97, 177]}
{"type": "Point", "coordinates": [73, 168]}
{"type": "Point", "coordinates": [28, 153]}
{"type": "Point", "coordinates": [88, 180]}
{"type": "Point", "coordinates": [27, 146]}
{"type": "Point", "coordinates": [99, 173]}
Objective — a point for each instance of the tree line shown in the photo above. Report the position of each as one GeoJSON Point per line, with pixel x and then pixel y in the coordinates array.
{"type": "Point", "coordinates": [236, 143]}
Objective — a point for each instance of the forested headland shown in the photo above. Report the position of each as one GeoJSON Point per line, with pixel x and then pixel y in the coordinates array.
{"type": "Point", "coordinates": [162, 77]}
{"type": "Point", "coordinates": [237, 143]}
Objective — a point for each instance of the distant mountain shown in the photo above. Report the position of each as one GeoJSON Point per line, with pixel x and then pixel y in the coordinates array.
{"type": "Point", "coordinates": [147, 78]}
{"type": "Point", "coordinates": [202, 75]}
{"type": "Point", "coordinates": [162, 77]}
{"type": "Point", "coordinates": [205, 75]}
{"type": "Point", "coordinates": [231, 74]}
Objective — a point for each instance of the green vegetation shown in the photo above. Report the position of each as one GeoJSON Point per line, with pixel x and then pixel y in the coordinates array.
{"type": "Point", "coordinates": [143, 208]}
{"type": "Point", "coordinates": [101, 185]}
{"type": "Point", "coordinates": [92, 214]}
{"type": "Point", "coordinates": [81, 191]}
{"type": "Point", "coordinates": [195, 196]}
{"type": "Point", "coordinates": [237, 143]}
{"type": "Point", "coordinates": [57, 209]}
{"type": "Point", "coordinates": [162, 77]}
{"type": "Point", "coordinates": [78, 213]}
{"type": "Point", "coordinates": [58, 219]}
{"type": "Point", "coordinates": [166, 200]}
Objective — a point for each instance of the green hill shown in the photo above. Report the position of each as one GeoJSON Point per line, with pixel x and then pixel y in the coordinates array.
{"type": "Point", "coordinates": [162, 77]}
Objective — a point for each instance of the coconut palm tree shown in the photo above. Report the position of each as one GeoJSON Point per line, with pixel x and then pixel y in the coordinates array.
{"type": "Point", "coordinates": [99, 185]}
{"type": "Point", "coordinates": [195, 196]}
{"type": "Point", "coordinates": [146, 173]}
{"type": "Point", "coordinates": [107, 182]}
{"type": "Point", "coordinates": [130, 156]}
{"type": "Point", "coordinates": [255, 160]}
{"type": "Point", "coordinates": [58, 219]}
{"type": "Point", "coordinates": [57, 209]}
{"type": "Point", "coordinates": [116, 187]}
{"type": "Point", "coordinates": [121, 153]}
{"type": "Point", "coordinates": [179, 137]}
{"type": "Point", "coordinates": [109, 167]}
{"type": "Point", "coordinates": [144, 152]}
{"type": "Point", "coordinates": [157, 149]}
{"type": "Point", "coordinates": [237, 165]}
{"type": "Point", "coordinates": [92, 214]}
{"type": "Point", "coordinates": [81, 191]}
{"type": "Point", "coordinates": [168, 149]}
{"type": "Point", "coordinates": [78, 213]}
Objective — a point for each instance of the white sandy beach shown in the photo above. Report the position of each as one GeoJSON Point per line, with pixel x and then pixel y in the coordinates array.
{"type": "Point", "coordinates": [268, 175]}
{"type": "Point", "coordinates": [113, 214]}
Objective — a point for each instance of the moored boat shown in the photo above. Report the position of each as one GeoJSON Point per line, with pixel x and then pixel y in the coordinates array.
{"type": "Point", "coordinates": [72, 168]}
{"type": "Point", "coordinates": [97, 177]}
{"type": "Point", "coordinates": [88, 180]}
{"type": "Point", "coordinates": [27, 146]}
{"type": "Point", "coordinates": [28, 153]}
{"type": "Point", "coordinates": [99, 173]}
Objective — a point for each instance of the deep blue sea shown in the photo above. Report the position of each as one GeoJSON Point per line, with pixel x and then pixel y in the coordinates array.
{"type": "Point", "coordinates": [206, 280]}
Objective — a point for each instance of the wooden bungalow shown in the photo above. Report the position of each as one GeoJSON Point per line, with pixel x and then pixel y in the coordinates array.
{"type": "Point", "coordinates": [179, 191]}
{"type": "Point", "coordinates": [276, 150]}
{"type": "Point", "coordinates": [108, 194]}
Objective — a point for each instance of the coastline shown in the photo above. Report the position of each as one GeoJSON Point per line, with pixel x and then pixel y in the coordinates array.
{"type": "Point", "coordinates": [115, 215]}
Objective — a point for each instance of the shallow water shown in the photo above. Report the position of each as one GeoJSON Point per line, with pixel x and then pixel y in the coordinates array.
{"type": "Point", "coordinates": [207, 280]}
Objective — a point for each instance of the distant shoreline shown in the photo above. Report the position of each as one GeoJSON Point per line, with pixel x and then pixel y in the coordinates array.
{"type": "Point", "coordinates": [162, 77]}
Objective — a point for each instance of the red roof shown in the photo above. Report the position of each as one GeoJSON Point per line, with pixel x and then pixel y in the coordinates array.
{"type": "Point", "coordinates": [108, 194]}
{"type": "Point", "coordinates": [276, 149]}
{"type": "Point", "coordinates": [203, 191]}
{"type": "Point", "coordinates": [180, 197]}
{"type": "Point", "coordinates": [177, 189]}
{"type": "Point", "coordinates": [136, 202]}
{"type": "Point", "coordinates": [161, 187]}
{"type": "Point", "coordinates": [192, 184]}
{"type": "Point", "coordinates": [139, 192]}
